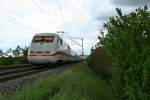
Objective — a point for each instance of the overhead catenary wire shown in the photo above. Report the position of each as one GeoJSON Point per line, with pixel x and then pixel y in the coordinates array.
{"type": "Point", "coordinates": [14, 19]}
{"type": "Point", "coordinates": [10, 19]}
{"type": "Point", "coordinates": [43, 12]}
{"type": "Point", "coordinates": [17, 18]}
{"type": "Point", "coordinates": [75, 42]}
{"type": "Point", "coordinates": [61, 12]}
{"type": "Point", "coordinates": [62, 18]}
{"type": "Point", "coordinates": [63, 21]}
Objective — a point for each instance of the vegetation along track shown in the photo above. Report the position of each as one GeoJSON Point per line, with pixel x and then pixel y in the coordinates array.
{"type": "Point", "coordinates": [18, 71]}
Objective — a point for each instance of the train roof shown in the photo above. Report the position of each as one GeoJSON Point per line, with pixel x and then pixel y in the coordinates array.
{"type": "Point", "coordinates": [46, 34]}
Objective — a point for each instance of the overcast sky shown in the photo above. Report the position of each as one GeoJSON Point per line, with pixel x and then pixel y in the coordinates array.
{"type": "Point", "coordinates": [21, 19]}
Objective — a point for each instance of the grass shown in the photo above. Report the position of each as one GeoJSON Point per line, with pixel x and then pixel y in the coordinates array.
{"type": "Point", "coordinates": [77, 83]}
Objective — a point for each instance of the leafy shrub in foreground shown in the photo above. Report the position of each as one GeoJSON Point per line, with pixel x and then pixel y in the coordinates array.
{"type": "Point", "coordinates": [100, 62]}
{"type": "Point", "coordinates": [128, 41]}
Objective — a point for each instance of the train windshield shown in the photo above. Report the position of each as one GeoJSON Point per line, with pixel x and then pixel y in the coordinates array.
{"type": "Point", "coordinates": [47, 39]}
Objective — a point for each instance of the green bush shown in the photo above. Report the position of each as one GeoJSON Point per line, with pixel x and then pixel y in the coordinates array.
{"type": "Point", "coordinates": [100, 62]}
{"type": "Point", "coordinates": [16, 56]}
{"type": "Point", "coordinates": [6, 60]}
{"type": "Point", "coordinates": [128, 41]}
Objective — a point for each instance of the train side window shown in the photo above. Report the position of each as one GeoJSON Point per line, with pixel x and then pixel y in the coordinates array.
{"type": "Point", "coordinates": [61, 41]}
{"type": "Point", "coordinates": [68, 48]}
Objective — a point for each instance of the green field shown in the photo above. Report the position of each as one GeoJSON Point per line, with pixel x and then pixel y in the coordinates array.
{"type": "Point", "coordinates": [77, 83]}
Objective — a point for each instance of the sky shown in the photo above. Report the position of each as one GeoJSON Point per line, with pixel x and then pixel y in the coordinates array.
{"type": "Point", "coordinates": [21, 19]}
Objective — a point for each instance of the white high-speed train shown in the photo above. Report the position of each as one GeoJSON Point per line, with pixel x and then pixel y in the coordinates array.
{"type": "Point", "coordinates": [50, 48]}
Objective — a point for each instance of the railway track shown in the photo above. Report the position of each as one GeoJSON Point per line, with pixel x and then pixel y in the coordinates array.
{"type": "Point", "coordinates": [14, 66]}
{"type": "Point", "coordinates": [13, 72]}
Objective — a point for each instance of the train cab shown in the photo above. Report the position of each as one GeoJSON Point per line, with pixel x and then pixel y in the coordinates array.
{"type": "Point", "coordinates": [48, 48]}
{"type": "Point", "coordinates": [42, 48]}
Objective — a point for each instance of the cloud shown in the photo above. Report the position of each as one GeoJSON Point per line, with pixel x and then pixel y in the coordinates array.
{"type": "Point", "coordinates": [21, 19]}
{"type": "Point", "coordinates": [105, 15]}
{"type": "Point", "coordinates": [131, 3]}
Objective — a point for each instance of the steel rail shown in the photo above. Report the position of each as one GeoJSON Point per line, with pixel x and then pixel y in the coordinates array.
{"type": "Point", "coordinates": [21, 72]}
{"type": "Point", "coordinates": [18, 72]}
{"type": "Point", "coordinates": [15, 66]}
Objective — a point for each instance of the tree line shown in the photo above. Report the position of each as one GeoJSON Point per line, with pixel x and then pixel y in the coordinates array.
{"type": "Point", "coordinates": [14, 56]}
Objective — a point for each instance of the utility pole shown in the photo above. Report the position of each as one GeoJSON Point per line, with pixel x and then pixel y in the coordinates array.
{"type": "Point", "coordinates": [81, 45]}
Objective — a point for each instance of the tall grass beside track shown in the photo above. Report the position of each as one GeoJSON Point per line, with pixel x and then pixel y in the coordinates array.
{"type": "Point", "coordinates": [77, 83]}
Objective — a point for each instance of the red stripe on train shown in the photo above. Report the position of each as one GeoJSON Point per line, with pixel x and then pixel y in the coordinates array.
{"type": "Point", "coordinates": [56, 53]}
{"type": "Point", "coordinates": [32, 55]}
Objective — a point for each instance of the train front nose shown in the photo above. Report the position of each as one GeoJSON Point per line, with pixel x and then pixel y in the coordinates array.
{"type": "Point", "coordinates": [41, 58]}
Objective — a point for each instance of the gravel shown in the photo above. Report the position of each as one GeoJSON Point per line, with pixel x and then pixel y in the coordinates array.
{"type": "Point", "coordinates": [9, 87]}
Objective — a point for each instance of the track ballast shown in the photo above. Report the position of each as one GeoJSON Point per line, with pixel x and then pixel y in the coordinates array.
{"type": "Point", "coordinates": [10, 73]}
